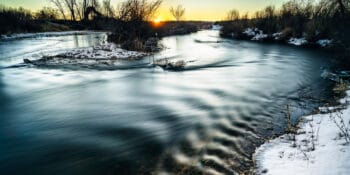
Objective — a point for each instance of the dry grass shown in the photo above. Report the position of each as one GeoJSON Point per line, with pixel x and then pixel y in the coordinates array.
{"type": "Point", "coordinates": [341, 86]}
{"type": "Point", "coordinates": [342, 125]}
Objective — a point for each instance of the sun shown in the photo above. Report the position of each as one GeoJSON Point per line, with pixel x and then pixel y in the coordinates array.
{"type": "Point", "coordinates": [157, 20]}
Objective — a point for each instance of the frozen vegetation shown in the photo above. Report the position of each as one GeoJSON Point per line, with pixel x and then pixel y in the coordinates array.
{"type": "Point", "coordinates": [102, 56]}
{"type": "Point", "coordinates": [101, 52]}
{"type": "Point", "coordinates": [321, 145]}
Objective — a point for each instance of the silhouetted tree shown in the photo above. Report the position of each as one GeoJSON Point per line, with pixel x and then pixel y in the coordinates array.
{"type": "Point", "coordinates": [232, 15]}
{"type": "Point", "coordinates": [134, 28]}
{"type": "Point", "coordinates": [138, 10]}
{"type": "Point", "coordinates": [60, 7]}
{"type": "Point", "coordinates": [108, 9]}
{"type": "Point", "coordinates": [178, 12]}
{"type": "Point", "coordinates": [46, 13]}
{"type": "Point", "coordinates": [70, 4]}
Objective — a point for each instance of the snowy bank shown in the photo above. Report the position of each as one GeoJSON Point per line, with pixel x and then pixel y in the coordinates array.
{"type": "Point", "coordinates": [320, 147]}
{"type": "Point", "coordinates": [256, 34]}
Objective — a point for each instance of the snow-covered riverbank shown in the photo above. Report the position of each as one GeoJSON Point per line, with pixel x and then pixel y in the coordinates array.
{"type": "Point", "coordinates": [320, 147]}
{"type": "Point", "coordinates": [255, 34]}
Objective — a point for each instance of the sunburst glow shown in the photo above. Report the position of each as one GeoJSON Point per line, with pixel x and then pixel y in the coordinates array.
{"type": "Point", "coordinates": [157, 20]}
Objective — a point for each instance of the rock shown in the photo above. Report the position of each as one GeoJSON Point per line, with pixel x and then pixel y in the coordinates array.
{"type": "Point", "coordinates": [27, 61]}
{"type": "Point", "coordinates": [175, 66]}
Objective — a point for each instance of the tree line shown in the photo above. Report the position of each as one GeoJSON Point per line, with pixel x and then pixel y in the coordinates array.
{"type": "Point", "coordinates": [61, 15]}
{"type": "Point", "coordinates": [311, 19]}
{"type": "Point", "coordinates": [14, 20]}
{"type": "Point", "coordinates": [75, 10]}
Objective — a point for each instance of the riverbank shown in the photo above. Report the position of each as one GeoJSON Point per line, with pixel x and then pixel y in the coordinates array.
{"type": "Point", "coordinates": [44, 34]}
{"type": "Point", "coordinates": [283, 37]}
{"type": "Point", "coordinates": [320, 145]}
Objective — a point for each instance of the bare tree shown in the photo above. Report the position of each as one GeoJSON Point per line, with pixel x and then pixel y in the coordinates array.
{"type": "Point", "coordinates": [95, 3]}
{"type": "Point", "coordinates": [70, 4]}
{"type": "Point", "coordinates": [341, 7]}
{"type": "Point", "coordinates": [334, 7]}
{"type": "Point", "coordinates": [138, 10]}
{"type": "Point", "coordinates": [47, 13]}
{"type": "Point", "coordinates": [60, 7]}
{"type": "Point", "coordinates": [245, 16]}
{"type": "Point", "coordinates": [79, 10]}
{"type": "Point", "coordinates": [178, 12]}
{"type": "Point", "coordinates": [232, 15]}
{"type": "Point", "coordinates": [270, 12]}
{"type": "Point", "coordinates": [108, 10]}
{"type": "Point", "coordinates": [269, 16]}
{"type": "Point", "coordinates": [83, 5]}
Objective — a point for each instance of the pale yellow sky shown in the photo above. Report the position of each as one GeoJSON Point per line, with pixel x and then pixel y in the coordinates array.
{"type": "Point", "coordinates": [195, 9]}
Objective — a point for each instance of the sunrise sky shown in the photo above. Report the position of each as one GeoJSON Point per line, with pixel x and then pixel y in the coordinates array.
{"type": "Point", "coordinates": [195, 9]}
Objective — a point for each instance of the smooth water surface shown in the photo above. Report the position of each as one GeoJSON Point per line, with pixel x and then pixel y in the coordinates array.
{"type": "Point", "coordinates": [206, 119]}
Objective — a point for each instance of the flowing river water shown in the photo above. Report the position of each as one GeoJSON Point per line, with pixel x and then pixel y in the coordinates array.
{"type": "Point", "coordinates": [207, 119]}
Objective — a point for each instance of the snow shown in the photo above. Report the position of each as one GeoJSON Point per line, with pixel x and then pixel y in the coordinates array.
{"type": "Point", "coordinates": [250, 31]}
{"type": "Point", "coordinates": [255, 33]}
{"type": "Point", "coordinates": [277, 36]}
{"type": "Point", "coordinates": [324, 42]}
{"type": "Point", "coordinates": [259, 36]}
{"type": "Point", "coordinates": [318, 148]}
{"type": "Point", "coordinates": [297, 41]}
{"type": "Point", "coordinates": [216, 27]}
{"type": "Point", "coordinates": [328, 109]}
{"type": "Point", "coordinates": [103, 51]}
{"type": "Point", "coordinates": [43, 34]}
{"type": "Point", "coordinates": [104, 55]}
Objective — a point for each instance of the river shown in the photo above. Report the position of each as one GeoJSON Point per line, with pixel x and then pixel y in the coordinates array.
{"type": "Point", "coordinates": [207, 119]}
